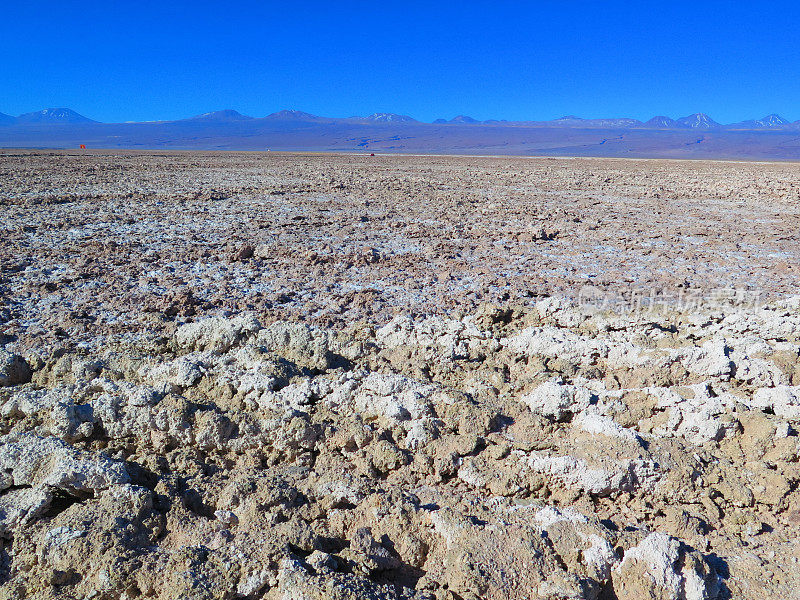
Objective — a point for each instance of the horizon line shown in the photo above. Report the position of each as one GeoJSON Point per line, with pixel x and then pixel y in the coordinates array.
{"type": "Point", "coordinates": [462, 117]}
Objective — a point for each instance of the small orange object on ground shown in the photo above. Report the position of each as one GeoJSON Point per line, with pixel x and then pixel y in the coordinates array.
{"type": "Point", "coordinates": [83, 146]}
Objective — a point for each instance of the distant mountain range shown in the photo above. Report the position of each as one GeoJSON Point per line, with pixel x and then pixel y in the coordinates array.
{"type": "Point", "coordinates": [694, 121]}
{"type": "Point", "coordinates": [695, 136]}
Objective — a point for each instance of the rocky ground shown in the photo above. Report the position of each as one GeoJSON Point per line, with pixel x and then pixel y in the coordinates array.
{"type": "Point", "coordinates": [311, 376]}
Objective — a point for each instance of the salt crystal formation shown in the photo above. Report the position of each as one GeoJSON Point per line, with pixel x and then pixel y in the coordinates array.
{"type": "Point", "coordinates": [526, 449]}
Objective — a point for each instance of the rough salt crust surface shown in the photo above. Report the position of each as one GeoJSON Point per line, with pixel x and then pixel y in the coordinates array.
{"type": "Point", "coordinates": [100, 241]}
{"type": "Point", "coordinates": [309, 376]}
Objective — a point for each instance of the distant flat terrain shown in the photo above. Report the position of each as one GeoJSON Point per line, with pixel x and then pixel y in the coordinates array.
{"type": "Point", "coordinates": [342, 135]}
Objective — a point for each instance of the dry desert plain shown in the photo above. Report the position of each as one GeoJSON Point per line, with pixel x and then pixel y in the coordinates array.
{"type": "Point", "coordinates": [312, 376]}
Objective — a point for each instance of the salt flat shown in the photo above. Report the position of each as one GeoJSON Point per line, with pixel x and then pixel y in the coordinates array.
{"type": "Point", "coordinates": [268, 375]}
{"type": "Point", "coordinates": [340, 238]}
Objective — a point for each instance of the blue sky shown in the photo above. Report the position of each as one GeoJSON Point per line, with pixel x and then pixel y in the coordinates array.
{"type": "Point", "coordinates": [145, 60]}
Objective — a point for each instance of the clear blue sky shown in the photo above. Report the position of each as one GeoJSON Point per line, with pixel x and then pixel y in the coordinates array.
{"type": "Point", "coordinates": [145, 60]}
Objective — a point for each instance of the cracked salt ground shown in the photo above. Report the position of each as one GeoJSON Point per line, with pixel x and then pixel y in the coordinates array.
{"type": "Point", "coordinates": [277, 377]}
{"type": "Point", "coordinates": [549, 452]}
{"type": "Point", "coordinates": [337, 240]}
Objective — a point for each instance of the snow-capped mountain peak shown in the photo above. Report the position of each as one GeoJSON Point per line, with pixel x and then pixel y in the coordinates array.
{"type": "Point", "coordinates": [53, 115]}
{"type": "Point", "coordinates": [293, 115]}
{"type": "Point", "coordinates": [698, 121]}
{"type": "Point", "coordinates": [389, 118]}
{"type": "Point", "coordinates": [772, 120]}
